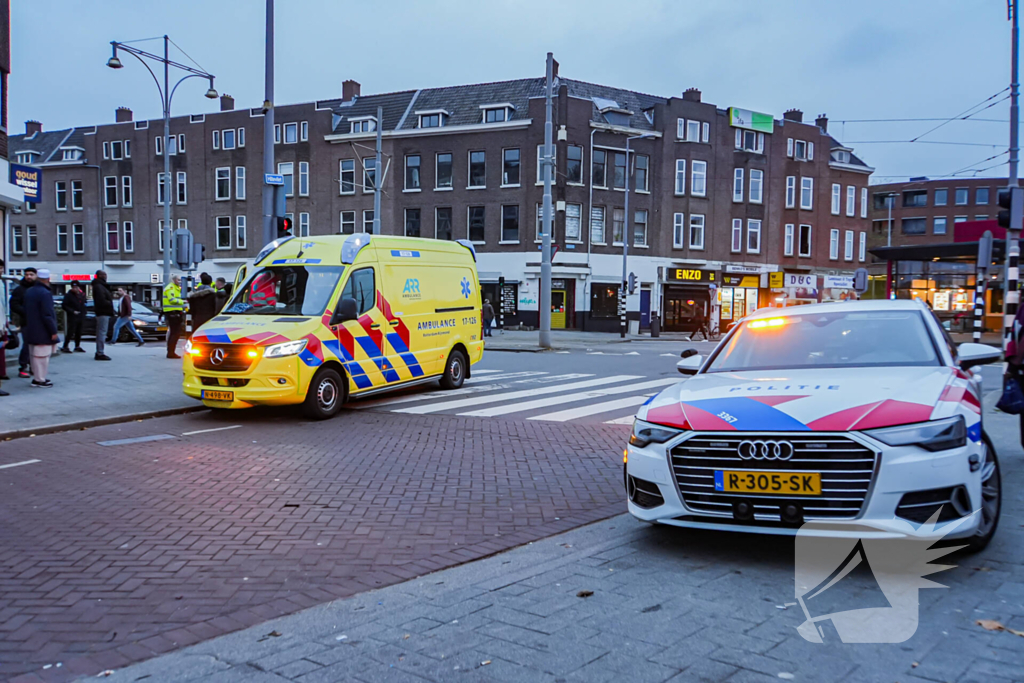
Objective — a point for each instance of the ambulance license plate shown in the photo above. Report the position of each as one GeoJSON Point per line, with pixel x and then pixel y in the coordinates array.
{"type": "Point", "coordinates": [208, 395]}
{"type": "Point", "coordinates": [780, 483]}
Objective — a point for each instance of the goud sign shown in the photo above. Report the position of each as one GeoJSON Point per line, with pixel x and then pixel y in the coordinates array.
{"type": "Point", "coordinates": [692, 275]}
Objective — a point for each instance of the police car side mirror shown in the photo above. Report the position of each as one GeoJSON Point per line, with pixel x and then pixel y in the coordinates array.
{"type": "Point", "coordinates": [690, 365]}
{"type": "Point", "coordinates": [347, 310]}
{"type": "Point", "coordinates": [972, 355]}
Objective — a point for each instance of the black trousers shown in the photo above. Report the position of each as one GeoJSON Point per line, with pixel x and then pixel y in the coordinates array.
{"type": "Point", "coordinates": [74, 331]}
{"type": "Point", "coordinates": [174, 321]}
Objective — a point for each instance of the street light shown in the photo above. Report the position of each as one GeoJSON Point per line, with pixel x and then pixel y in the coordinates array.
{"type": "Point", "coordinates": [166, 95]}
{"type": "Point", "coordinates": [889, 199]}
{"type": "Point", "coordinates": [625, 239]}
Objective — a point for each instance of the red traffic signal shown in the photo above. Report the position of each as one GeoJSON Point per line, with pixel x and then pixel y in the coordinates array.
{"type": "Point", "coordinates": [284, 227]}
{"type": "Point", "coordinates": [1011, 201]}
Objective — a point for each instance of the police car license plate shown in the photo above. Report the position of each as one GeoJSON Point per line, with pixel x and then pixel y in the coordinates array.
{"type": "Point", "coordinates": [218, 395]}
{"type": "Point", "coordinates": [779, 483]}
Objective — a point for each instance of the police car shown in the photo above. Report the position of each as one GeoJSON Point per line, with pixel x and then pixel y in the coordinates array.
{"type": "Point", "coordinates": [851, 414]}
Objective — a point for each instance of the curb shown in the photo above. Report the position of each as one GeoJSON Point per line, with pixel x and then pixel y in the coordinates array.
{"type": "Point", "coordinates": [98, 422]}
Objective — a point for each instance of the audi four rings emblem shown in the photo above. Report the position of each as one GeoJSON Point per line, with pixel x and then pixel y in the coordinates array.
{"type": "Point", "coordinates": [765, 450]}
{"type": "Point", "coordinates": [217, 356]}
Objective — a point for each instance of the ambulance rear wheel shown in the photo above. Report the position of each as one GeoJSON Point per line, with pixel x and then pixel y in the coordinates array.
{"type": "Point", "coordinates": [454, 371]}
{"type": "Point", "coordinates": [325, 395]}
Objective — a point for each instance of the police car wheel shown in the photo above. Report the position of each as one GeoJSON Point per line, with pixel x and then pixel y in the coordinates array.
{"type": "Point", "coordinates": [325, 395]}
{"type": "Point", "coordinates": [991, 500]}
{"type": "Point", "coordinates": [454, 371]}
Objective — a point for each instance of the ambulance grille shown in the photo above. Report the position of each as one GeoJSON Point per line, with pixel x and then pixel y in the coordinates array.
{"type": "Point", "coordinates": [235, 358]}
{"type": "Point", "coordinates": [847, 469]}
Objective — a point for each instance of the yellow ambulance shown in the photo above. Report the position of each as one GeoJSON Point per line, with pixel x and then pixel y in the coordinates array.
{"type": "Point", "coordinates": [317, 320]}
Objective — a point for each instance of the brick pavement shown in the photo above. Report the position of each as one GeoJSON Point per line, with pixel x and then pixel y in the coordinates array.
{"type": "Point", "coordinates": [114, 554]}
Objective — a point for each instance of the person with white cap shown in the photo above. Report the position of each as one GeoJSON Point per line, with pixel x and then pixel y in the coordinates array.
{"type": "Point", "coordinates": [40, 329]}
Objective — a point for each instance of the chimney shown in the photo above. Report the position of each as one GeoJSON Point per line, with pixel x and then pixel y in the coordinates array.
{"type": "Point", "coordinates": [122, 114]}
{"type": "Point", "coordinates": [227, 102]}
{"type": "Point", "coordinates": [794, 115]}
{"type": "Point", "coordinates": [349, 90]}
{"type": "Point", "coordinates": [822, 122]}
{"type": "Point", "coordinates": [691, 95]}
{"type": "Point", "coordinates": [33, 127]}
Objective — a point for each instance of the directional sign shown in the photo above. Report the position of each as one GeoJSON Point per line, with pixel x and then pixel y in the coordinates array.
{"type": "Point", "coordinates": [273, 179]}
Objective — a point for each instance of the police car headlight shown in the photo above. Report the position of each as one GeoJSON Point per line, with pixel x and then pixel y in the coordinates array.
{"type": "Point", "coordinates": [285, 349]}
{"type": "Point", "coordinates": [645, 433]}
{"type": "Point", "coordinates": [936, 435]}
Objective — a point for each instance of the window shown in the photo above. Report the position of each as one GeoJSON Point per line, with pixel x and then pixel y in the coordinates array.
{"type": "Point", "coordinates": [29, 208]}
{"type": "Point", "coordinates": [32, 239]}
{"type": "Point", "coordinates": [443, 223]}
{"type": "Point", "coordinates": [476, 224]}
{"type": "Point", "coordinates": [915, 198]}
{"type": "Point", "coordinates": [110, 191]}
{"type": "Point", "coordinates": [756, 186]}
{"type": "Point", "coordinates": [223, 232]}
{"type": "Point", "coordinates": [540, 163]}
{"type": "Point", "coordinates": [618, 225]}
{"type": "Point", "coordinates": [106, 151]}
{"type": "Point", "coordinates": [443, 175]}
{"type": "Point", "coordinates": [574, 166]}
{"type": "Point", "coordinates": [851, 200]}
{"type": "Point", "coordinates": [573, 220]}
{"type": "Point", "coordinates": [62, 239]}
{"type": "Point", "coordinates": [347, 176]}
{"type": "Point", "coordinates": [939, 225]}
{"type": "Point", "coordinates": [787, 247]}
{"type": "Point", "coordinates": [303, 224]}
{"type": "Point", "coordinates": [412, 223]}
{"type": "Point", "coordinates": [71, 155]}
{"type": "Point", "coordinates": [477, 169]}
{"type": "Point", "coordinates": [368, 220]}
{"type": "Point", "coordinates": [705, 132]}
{"type": "Point", "coordinates": [369, 174]}
{"type": "Point", "coordinates": [750, 141]}
{"type": "Point", "coordinates": [126, 190]}
{"type": "Point", "coordinates": [981, 217]}
{"type": "Point", "coordinates": [303, 178]}
{"type": "Point", "coordinates": [239, 182]}
{"type": "Point", "coordinates": [510, 167]}
{"type": "Point", "coordinates": [277, 133]}
{"type": "Point", "coordinates": [790, 192]}
{"type": "Point", "coordinates": [800, 150]}
{"type": "Point", "coordinates": [941, 198]}
{"type": "Point", "coordinates": [805, 240]}
{"type": "Point", "coordinates": [223, 183]}
{"type": "Point", "coordinates": [348, 222]}
{"type": "Point", "coordinates": [736, 243]}
{"type": "Point", "coordinates": [431, 120]}
{"type": "Point", "coordinates": [78, 238]}
{"type": "Point", "coordinates": [837, 191]}
{"type": "Point", "coordinates": [240, 237]}
{"type": "Point", "coordinates": [412, 172]}
{"type": "Point", "coordinates": [692, 131]}
{"type": "Point", "coordinates": [128, 230]}
{"type": "Point", "coordinates": [913, 226]}
{"type": "Point", "coordinates": [287, 169]}
{"type": "Point", "coordinates": [304, 131]}
{"type": "Point", "coordinates": [496, 115]}
{"type": "Point", "coordinates": [216, 141]}
{"type": "Point", "coordinates": [959, 219]}
{"type": "Point", "coordinates": [365, 125]}
{"type": "Point", "coordinates": [981, 195]}
{"type": "Point", "coordinates": [17, 239]}
{"type": "Point", "coordinates": [737, 184]}
{"type": "Point", "coordinates": [696, 230]}
{"type": "Point", "coordinates": [161, 189]}
{"type": "Point", "coordinates": [510, 224]}
{"type": "Point", "coordinates": [228, 138]}
{"type": "Point", "coordinates": [961, 196]}
{"type": "Point", "coordinates": [599, 169]}
{"type": "Point", "coordinates": [848, 246]}
{"type": "Point", "coordinates": [116, 149]}
{"type": "Point", "coordinates": [806, 193]}
{"type": "Point", "coordinates": [833, 244]}
{"type": "Point", "coordinates": [698, 178]}
{"type": "Point", "coordinates": [619, 170]}
{"type": "Point", "coordinates": [113, 236]}
{"type": "Point", "coordinates": [863, 250]}
{"type": "Point", "coordinates": [604, 301]}
{"type": "Point", "coordinates": [753, 236]}
{"type": "Point", "coordinates": [362, 289]}
{"type": "Point", "coordinates": [161, 235]}
{"type": "Point", "coordinates": [241, 140]}
{"type": "Point", "coordinates": [291, 133]}
{"type": "Point", "coordinates": [597, 224]}
{"type": "Point", "coordinates": [640, 167]}
{"type": "Point", "coordinates": [679, 230]}
{"type": "Point", "coordinates": [863, 202]}
{"type": "Point", "coordinates": [60, 195]}
{"type": "Point", "coordinates": [680, 176]}
{"type": "Point", "coordinates": [640, 228]}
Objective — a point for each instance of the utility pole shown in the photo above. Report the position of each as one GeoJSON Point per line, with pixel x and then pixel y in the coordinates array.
{"type": "Point", "coordinates": [168, 228]}
{"type": "Point", "coordinates": [545, 245]}
{"type": "Point", "coordinates": [269, 230]}
{"type": "Point", "coordinates": [1011, 297]}
{"type": "Point", "coordinates": [378, 175]}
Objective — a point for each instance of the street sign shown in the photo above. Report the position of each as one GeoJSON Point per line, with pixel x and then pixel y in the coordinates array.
{"type": "Point", "coordinates": [860, 280]}
{"type": "Point", "coordinates": [273, 179]}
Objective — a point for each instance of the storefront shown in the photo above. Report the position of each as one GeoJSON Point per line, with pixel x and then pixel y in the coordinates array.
{"type": "Point", "coordinates": [688, 295]}
{"type": "Point", "coordinates": [738, 297]}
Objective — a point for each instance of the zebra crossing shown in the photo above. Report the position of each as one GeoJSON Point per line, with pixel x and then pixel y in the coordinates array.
{"type": "Point", "coordinates": [531, 395]}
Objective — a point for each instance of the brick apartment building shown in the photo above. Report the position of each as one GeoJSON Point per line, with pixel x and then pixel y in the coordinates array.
{"type": "Point", "coordinates": [720, 198]}
{"type": "Point", "coordinates": [11, 195]}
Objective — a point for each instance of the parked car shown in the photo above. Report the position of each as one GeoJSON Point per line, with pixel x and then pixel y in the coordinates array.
{"type": "Point", "coordinates": [146, 321]}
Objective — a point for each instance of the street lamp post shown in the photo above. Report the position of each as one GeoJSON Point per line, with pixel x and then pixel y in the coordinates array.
{"type": "Point", "coordinates": [889, 199]}
{"type": "Point", "coordinates": [625, 240]}
{"type": "Point", "coordinates": [166, 95]}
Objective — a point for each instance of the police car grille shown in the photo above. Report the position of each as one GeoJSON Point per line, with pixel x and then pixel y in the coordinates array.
{"type": "Point", "coordinates": [236, 358]}
{"type": "Point", "coordinates": [846, 466]}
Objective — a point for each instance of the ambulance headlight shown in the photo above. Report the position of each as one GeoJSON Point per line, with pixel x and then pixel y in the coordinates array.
{"type": "Point", "coordinates": [284, 350]}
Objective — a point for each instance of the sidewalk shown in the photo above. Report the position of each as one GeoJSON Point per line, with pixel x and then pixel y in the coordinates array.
{"type": "Point", "coordinates": [515, 340]}
{"type": "Point", "coordinates": [86, 392]}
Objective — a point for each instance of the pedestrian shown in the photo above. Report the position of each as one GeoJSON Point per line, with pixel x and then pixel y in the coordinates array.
{"type": "Point", "coordinates": [18, 316]}
{"type": "Point", "coordinates": [173, 308]}
{"type": "Point", "coordinates": [202, 301]}
{"type": "Point", "coordinates": [701, 322]}
{"type": "Point", "coordinates": [223, 293]}
{"type": "Point", "coordinates": [488, 313]}
{"type": "Point", "coordinates": [5, 335]}
{"type": "Point", "coordinates": [41, 327]}
{"type": "Point", "coordinates": [74, 315]}
{"type": "Point", "coordinates": [124, 318]}
{"type": "Point", "coordinates": [103, 303]}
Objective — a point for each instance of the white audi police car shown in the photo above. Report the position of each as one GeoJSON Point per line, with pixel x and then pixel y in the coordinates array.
{"type": "Point", "coordinates": [850, 414]}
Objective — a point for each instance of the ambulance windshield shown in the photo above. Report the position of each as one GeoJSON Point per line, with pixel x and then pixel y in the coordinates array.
{"type": "Point", "coordinates": [287, 290]}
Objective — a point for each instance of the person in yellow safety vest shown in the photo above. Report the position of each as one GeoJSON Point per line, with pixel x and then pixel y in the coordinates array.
{"type": "Point", "coordinates": [174, 309]}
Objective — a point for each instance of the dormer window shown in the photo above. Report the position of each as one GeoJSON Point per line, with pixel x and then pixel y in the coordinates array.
{"type": "Point", "coordinates": [434, 118]}
{"type": "Point", "coordinates": [27, 157]}
{"type": "Point", "coordinates": [365, 124]}
{"type": "Point", "coordinates": [71, 154]}
{"type": "Point", "coordinates": [497, 113]}
{"type": "Point", "coordinates": [841, 155]}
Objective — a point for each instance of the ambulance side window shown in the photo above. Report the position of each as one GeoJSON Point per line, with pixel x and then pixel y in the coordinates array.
{"type": "Point", "coordinates": [361, 288]}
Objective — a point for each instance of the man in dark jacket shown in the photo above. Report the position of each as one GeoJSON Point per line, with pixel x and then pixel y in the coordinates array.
{"type": "Point", "coordinates": [103, 301]}
{"type": "Point", "coordinates": [223, 293]}
{"type": "Point", "coordinates": [74, 312]}
{"type": "Point", "coordinates": [18, 316]}
{"type": "Point", "coordinates": [202, 301]}
{"type": "Point", "coordinates": [40, 329]}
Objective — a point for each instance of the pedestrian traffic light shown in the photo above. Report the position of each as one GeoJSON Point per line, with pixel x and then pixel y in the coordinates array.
{"type": "Point", "coordinates": [632, 283]}
{"type": "Point", "coordinates": [1011, 203]}
{"type": "Point", "coordinates": [198, 253]}
{"type": "Point", "coordinates": [284, 227]}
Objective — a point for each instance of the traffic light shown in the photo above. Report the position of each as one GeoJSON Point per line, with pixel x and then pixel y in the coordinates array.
{"type": "Point", "coordinates": [1011, 203]}
{"type": "Point", "coordinates": [198, 253]}
{"type": "Point", "coordinates": [632, 283]}
{"type": "Point", "coordinates": [284, 227]}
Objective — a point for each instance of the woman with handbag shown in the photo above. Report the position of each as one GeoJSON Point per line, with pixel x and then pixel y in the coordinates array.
{"type": "Point", "coordinates": [1012, 400]}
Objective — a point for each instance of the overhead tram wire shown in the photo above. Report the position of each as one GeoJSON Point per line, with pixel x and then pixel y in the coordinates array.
{"type": "Point", "coordinates": [967, 113]}
{"type": "Point", "coordinates": [917, 120]}
{"type": "Point", "coordinates": [921, 142]}
{"type": "Point", "coordinates": [977, 163]}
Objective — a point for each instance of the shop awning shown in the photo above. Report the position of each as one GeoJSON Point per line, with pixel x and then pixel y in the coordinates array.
{"type": "Point", "coordinates": [948, 251]}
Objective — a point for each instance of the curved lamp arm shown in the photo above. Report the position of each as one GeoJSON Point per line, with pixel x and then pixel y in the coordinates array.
{"type": "Point", "coordinates": [163, 100]}
{"type": "Point", "coordinates": [183, 79]}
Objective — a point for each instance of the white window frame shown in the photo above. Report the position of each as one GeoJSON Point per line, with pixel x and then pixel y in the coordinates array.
{"type": "Point", "coordinates": [303, 224]}
{"type": "Point", "coordinates": [126, 191]}
{"type": "Point", "coordinates": [451, 180]}
{"type": "Point", "coordinates": [754, 235]}
{"type": "Point", "coordinates": [181, 187]}
{"type": "Point", "coordinates": [848, 245]}
{"type": "Point", "coordinates": [366, 174]}
{"type": "Point", "coordinates": [109, 185]}
{"type": "Point", "coordinates": [469, 167]}
{"type": "Point", "coordinates": [106, 150]}
{"type": "Point", "coordinates": [863, 202]}
{"type": "Point", "coordinates": [646, 214]}
{"type": "Point", "coordinates": [78, 194]}
{"type": "Point", "coordinates": [837, 198]}
{"type": "Point", "coordinates": [342, 222]}
{"type": "Point", "coordinates": [680, 182]}
{"type": "Point", "coordinates": [181, 146]}
{"type": "Point", "coordinates": [583, 161]}
{"type": "Point", "coordinates": [810, 242]}
{"type": "Point", "coordinates": [225, 134]}
{"type": "Point", "coordinates": [405, 179]}
{"type": "Point", "coordinates": [863, 250]}
{"type": "Point", "coordinates": [945, 225]}
{"type": "Point", "coordinates": [106, 237]}
{"type": "Point", "coordinates": [32, 239]}
{"type": "Point", "coordinates": [579, 222]}
{"type": "Point", "coordinates": [791, 192]}
{"type": "Point", "coordinates": [681, 129]}
{"type": "Point", "coordinates": [756, 183]}
{"type": "Point", "coordinates": [737, 185]}
{"type": "Point", "coordinates": [789, 243]}
{"type": "Point", "coordinates": [164, 183]}
{"type": "Point", "coordinates": [277, 133]}
{"type": "Point", "coordinates": [290, 166]}
{"type": "Point", "coordinates": [216, 140]}
{"type": "Point", "coordinates": [217, 177]}
{"type": "Point", "coordinates": [303, 131]}
{"type": "Point", "coordinates": [223, 223]}
{"type": "Point", "coordinates": [705, 135]}
{"type": "Point", "coordinates": [240, 136]}
{"type": "Point", "coordinates": [697, 228]}
{"type": "Point", "coordinates": [239, 182]}
{"type": "Point", "coordinates": [341, 176]}
{"type": "Point", "coordinates": [77, 229]}
{"type": "Point", "coordinates": [679, 235]}
{"type": "Point", "coordinates": [303, 178]}
{"type": "Point", "coordinates": [601, 221]}
{"type": "Point", "coordinates": [696, 175]}
{"type": "Point", "coordinates": [62, 229]}
{"type": "Point", "coordinates": [833, 244]}
{"type": "Point", "coordinates": [692, 130]}
{"type": "Point", "coordinates": [368, 213]}
{"type": "Point", "coordinates": [736, 239]}
{"type": "Point", "coordinates": [115, 146]}
{"type": "Point", "coordinates": [797, 146]}
{"type": "Point", "coordinates": [60, 189]}
{"type": "Point", "coordinates": [17, 239]}
{"type": "Point", "coordinates": [807, 185]}
{"type": "Point", "coordinates": [128, 237]}
{"type": "Point", "coordinates": [851, 200]}
{"type": "Point", "coordinates": [789, 147]}
{"type": "Point", "coordinates": [294, 128]}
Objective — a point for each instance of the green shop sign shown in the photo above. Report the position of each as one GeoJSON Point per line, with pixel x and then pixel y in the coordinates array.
{"type": "Point", "coordinates": [751, 120]}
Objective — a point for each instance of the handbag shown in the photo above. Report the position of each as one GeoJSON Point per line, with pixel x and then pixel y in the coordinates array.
{"type": "Point", "coordinates": [1012, 400]}
{"type": "Point", "coordinates": [12, 341]}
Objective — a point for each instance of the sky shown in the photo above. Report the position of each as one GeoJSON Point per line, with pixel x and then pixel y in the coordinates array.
{"type": "Point", "coordinates": [852, 60]}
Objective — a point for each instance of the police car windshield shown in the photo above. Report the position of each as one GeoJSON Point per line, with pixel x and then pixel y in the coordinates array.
{"type": "Point", "coordinates": [287, 290]}
{"type": "Point", "coordinates": [829, 340]}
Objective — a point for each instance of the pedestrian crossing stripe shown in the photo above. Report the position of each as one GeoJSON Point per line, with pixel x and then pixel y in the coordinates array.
{"type": "Point", "coordinates": [568, 398]}
{"type": "Point", "coordinates": [472, 389]}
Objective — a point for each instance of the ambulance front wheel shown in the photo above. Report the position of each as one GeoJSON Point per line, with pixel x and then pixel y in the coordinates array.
{"type": "Point", "coordinates": [325, 395]}
{"type": "Point", "coordinates": [454, 371]}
